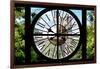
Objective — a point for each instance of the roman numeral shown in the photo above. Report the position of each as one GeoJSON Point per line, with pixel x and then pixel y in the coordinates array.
{"type": "Point", "coordinates": [62, 52]}
{"type": "Point", "coordinates": [73, 30]}
{"type": "Point", "coordinates": [43, 49]}
{"type": "Point", "coordinates": [67, 50]}
{"type": "Point", "coordinates": [42, 46]}
{"type": "Point", "coordinates": [37, 30]}
{"type": "Point", "coordinates": [73, 42]}
{"type": "Point", "coordinates": [53, 13]}
{"type": "Point", "coordinates": [65, 16]}
{"type": "Point", "coordinates": [45, 21]}
{"type": "Point", "coordinates": [41, 42]}
{"type": "Point", "coordinates": [38, 36]}
{"type": "Point", "coordinates": [69, 18]}
{"type": "Point", "coordinates": [71, 26]}
{"type": "Point", "coordinates": [60, 17]}
{"type": "Point", "coordinates": [54, 52]}
{"type": "Point", "coordinates": [41, 25]}
{"type": "Point", "coordinates": [62, 14]}
{"type": "Point", "coordinates": [48, 52]}
{"type": "Point", "coordinates": [37, 40]}
{"type": "Point", "coordinates": [47, 17]}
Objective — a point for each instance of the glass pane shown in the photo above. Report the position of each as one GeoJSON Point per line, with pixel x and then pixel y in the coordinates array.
{"type": "Point", "coordinates": [19, 35]}
{"type": "Point", "coordinates": [75, 30]}
{"type": "Point", "coordinates": [35, 11]}
{"type": "Point", "coordinates": [78, 13]}
{"type": "Point", "coordinates": [90, 34]}
{"type": "Point", "coordinates": [78, 55]}
{"type": "Point", "coordinates": [46, 24]}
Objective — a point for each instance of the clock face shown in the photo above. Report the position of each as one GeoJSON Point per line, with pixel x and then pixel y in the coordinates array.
{"type": "Point", "coordinates": [56, 33]}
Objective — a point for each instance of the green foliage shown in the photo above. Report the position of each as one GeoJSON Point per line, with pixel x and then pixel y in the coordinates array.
{"type": "Point", "coordinates": [34, 56]}
{"type": "Point", "coordinates": [90, 38]}
{"type": "Point", "coordinates": [90, 44]}
{"type": "Point", "coordinates": [90, 35]}
{"type": "Point", "coordinates": [90, 41]}
{"type": "Point", "coordinates": [20, 12]}
{"type": "Point", "coordinates": [90, 16]}
{"type": "Point", "coordinates": [19, 37]}
{"type": "Point", "coordinates": [19, 43]}
{"type": "Point", "coordinates": [78, 55]}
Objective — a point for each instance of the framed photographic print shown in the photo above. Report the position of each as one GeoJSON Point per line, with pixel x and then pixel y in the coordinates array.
{"type": "Point", "coordinates": [48, 34]}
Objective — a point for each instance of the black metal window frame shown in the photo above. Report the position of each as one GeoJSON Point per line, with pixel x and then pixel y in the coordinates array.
{"type": "Point", "coordinates": [29, 34]}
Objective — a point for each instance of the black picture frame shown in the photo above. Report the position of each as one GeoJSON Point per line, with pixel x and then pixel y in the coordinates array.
{"type": "Point", "coordinates": [29, 29]}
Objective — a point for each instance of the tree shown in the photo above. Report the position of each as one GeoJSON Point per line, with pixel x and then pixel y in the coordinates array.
{"type": "Point", "coordinates": [90, 35]}
{"type": "Point", "coordinates": [19, 36]}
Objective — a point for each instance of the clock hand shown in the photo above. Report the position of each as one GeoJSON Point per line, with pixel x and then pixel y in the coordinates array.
{"type": "Point", "coordinates": [63, 38]}
{"type": "Point", "coordinates": [52, 38]}
{"type": "Point", "coordinates": [49, 30]}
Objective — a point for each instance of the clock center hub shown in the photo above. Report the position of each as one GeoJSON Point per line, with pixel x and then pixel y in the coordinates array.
{"type": "Point", "coordinates": [56, 39]}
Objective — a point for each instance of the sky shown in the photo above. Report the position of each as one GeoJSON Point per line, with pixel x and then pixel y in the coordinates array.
{"type": "Point", "coordinates": [78, 13]}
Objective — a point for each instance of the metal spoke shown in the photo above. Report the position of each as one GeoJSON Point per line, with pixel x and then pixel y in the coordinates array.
{"type": "Point", "coordinates": [56, 35]}
{"type": "Point", "coordinates": [57, 32]}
